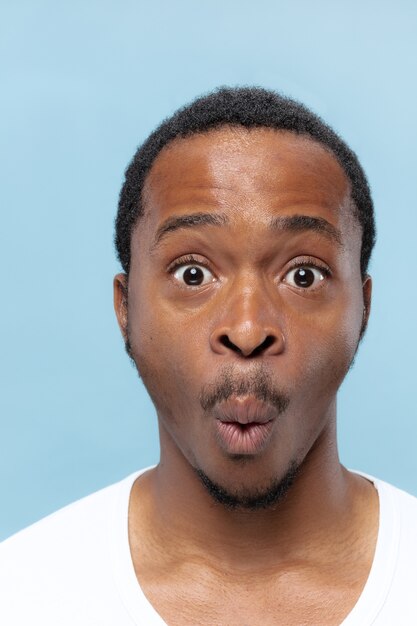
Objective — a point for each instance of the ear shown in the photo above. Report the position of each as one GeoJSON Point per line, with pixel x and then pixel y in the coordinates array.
{"type": "Point", "coordinates": [367, 297]}
{"type": "Point", "coordinates": [120, 290]}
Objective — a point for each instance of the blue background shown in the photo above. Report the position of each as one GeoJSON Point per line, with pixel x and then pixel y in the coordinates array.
{"type": "Point", "coordinates": [83, 83]}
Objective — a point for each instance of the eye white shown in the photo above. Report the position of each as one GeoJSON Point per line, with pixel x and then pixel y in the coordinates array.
{"type": "Point", "coordinates": [304, 277]}
{"type": "Point", "coordinates": [193, 275]}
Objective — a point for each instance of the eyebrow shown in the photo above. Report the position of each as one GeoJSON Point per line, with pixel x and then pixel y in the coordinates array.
{"type": "Point", "coordinates": [299, 223]}
{"type": "Point", "coordinates": [294, 223]}
{"type": "Point", "coordinates": [188, 221]}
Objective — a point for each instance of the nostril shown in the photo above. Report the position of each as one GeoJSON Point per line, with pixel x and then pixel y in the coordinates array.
{"type": "Point", "coordinates": [229, 344]}
{"type": "Point", "coordinates": [268, 341]}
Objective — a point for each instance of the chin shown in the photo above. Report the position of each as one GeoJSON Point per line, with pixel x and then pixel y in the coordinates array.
{"type": "Point", "coordinates": [250, 498]}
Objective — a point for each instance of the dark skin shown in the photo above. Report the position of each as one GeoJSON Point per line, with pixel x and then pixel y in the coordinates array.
{"type": "Point", "coordinates": [197, 561]}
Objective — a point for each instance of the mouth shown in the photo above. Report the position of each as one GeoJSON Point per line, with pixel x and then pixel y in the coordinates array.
{"type": "Point", "coordinates": [244, 425]}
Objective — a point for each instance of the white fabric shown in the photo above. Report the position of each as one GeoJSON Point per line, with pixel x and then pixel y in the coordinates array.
{"type": "Point", "coordinates": [74, 567]}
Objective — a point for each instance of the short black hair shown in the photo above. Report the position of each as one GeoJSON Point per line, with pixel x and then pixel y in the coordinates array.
{"type": "Point", "coordinates": [249, 107]}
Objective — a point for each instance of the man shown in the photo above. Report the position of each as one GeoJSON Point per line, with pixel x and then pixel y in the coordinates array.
{"type": "Point", "coordinates": [244, 230]}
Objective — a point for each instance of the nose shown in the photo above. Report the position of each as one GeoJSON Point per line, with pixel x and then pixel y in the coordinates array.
{"type": "Point", "coordinates": [249, 326]}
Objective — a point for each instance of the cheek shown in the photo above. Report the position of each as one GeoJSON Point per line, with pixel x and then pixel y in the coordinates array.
{"type": "Point", "coordinates": [325, 347]}
{"type": "Point", "coordinates": [167, 354]}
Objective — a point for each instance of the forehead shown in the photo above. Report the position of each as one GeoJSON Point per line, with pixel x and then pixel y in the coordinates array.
{"type": "Point", "coordinates": [250, 173]}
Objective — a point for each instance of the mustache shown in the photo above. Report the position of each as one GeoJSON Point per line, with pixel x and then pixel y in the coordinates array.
{"type": "Point", "coordinates": [256, 383]}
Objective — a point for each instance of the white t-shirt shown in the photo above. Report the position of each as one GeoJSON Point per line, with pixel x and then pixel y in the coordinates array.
{"type": "Point", "coordinates": [74, 567]}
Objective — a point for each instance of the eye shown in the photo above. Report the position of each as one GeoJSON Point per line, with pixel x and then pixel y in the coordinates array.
{"type": "Point", "coordinates": [305, 276]}
{"type": "Point", "coordinates": [193, 275]}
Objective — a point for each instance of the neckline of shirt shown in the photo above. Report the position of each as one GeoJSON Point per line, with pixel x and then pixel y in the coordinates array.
{"type": "Point", "coordinates": [378, 583]}
{"type": "Point", "coordinates": [364, 612]}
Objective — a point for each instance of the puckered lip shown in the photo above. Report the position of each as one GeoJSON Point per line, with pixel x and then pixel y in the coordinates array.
{"type": "Point", "coordinates": [245, 410]}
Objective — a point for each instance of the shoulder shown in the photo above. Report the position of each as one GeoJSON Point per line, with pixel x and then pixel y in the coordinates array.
{"type": "Point", "coordinates": [70, 522]}
{"type": "Point", "coordinates": [397, 536]}
{"type": "Point", "coordinates": [405, 503]}
{"type": "Point", "coordinates": [397, 553]}
{"type": "Point", "coordinates": [62, 555]}
{"type": "Point", "coordinates": [404, 512]}
{"type": "Point", "coordinates": [399, 507]}
{"type": "Point", "coordinates": [388, 492]}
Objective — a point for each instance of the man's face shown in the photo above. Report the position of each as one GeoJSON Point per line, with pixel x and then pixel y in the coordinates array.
{"type": "Point", "coordinates": [245, 301]}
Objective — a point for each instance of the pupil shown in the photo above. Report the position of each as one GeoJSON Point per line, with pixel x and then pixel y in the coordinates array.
{"type": "Point", "coordinates": [193, 276]}
{"type": "Point", "coordinates": [304, 277]}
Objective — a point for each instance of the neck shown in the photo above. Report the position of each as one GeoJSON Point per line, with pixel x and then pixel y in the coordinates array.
{"type": "Point", "coordinates": [324, 501]}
